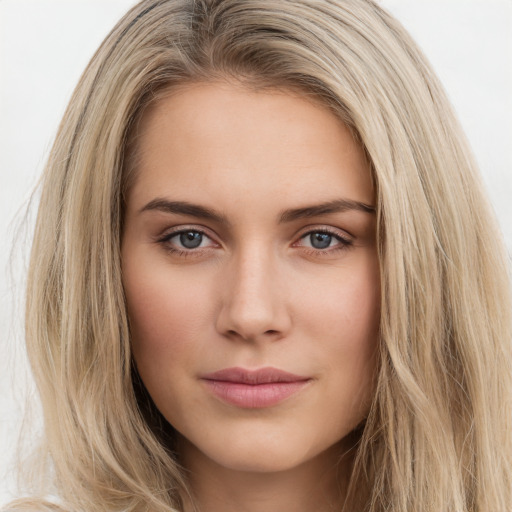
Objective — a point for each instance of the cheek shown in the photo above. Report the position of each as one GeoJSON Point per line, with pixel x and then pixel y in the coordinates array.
{"type": "Point", "coordinates": [344, 321]}
{"type": "Point", "coordinates": [168, 315]}
{"type": "Point", "coordinates": [345, 305]}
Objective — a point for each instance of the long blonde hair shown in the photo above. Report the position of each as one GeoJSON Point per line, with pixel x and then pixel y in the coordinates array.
{"type": "Point", "coordinates": [438, 436]}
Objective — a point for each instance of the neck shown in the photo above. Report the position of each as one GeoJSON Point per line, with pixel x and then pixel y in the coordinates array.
{"type": "Point", "coordinates": [318, 484]}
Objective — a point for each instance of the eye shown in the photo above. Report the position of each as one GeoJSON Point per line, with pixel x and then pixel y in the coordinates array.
{"type": "Point", "coordinates": [190, 239]}
{"type": "Point", "coordinates": [187, 240]}
{"type": "Point", "coordinates": [323, 240]}
{"type": "Point", "coordinates": [320, 240]}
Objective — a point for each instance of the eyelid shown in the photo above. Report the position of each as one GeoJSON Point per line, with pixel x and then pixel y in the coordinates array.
{"type": "Point", "coordinates": [345, 241]}
{"type": "Point", "coordinates": [322, 228]}
{"type": "Point", "coordinates": [177, 230]}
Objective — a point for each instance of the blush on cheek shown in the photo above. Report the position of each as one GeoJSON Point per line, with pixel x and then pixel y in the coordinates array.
{"type": "Point", "coordinates": [158, 330]}
{"type": "Point", "coordinates": [161, 303]}
{"type": "Point", "coordinates": [168, 317]}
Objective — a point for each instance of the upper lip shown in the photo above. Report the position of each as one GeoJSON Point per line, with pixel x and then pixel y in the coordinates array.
{"type": "Point", "coordinates": [261, 376]}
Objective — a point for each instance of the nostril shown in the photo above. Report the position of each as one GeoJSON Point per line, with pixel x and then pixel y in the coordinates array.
{"type": "Point", "coordinates": [233, 333]}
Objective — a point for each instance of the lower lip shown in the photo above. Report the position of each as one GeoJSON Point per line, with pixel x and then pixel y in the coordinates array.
{"type": "Point", "coordinates": [257, 396]}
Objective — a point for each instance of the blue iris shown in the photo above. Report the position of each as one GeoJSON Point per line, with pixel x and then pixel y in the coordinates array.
{"type": "Point", "coordinates": [191, 239]}
{"type": "Point", "coordinates": [320, 240]}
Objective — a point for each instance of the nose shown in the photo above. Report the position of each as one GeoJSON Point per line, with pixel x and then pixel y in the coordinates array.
{"type": "Point", "coordinates": [253, 298]}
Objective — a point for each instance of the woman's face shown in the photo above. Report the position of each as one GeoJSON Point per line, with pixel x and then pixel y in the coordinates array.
{"type": "Point", "coordinates": [251, 275]}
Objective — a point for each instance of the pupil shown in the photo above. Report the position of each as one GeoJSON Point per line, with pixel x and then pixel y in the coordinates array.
{"type": "Point", "coordinates": [320, 240]}
{"type": "Point", "coordinates": [191, 239]}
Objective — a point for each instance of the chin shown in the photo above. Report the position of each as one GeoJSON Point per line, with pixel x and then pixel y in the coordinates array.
{"type": "Point", "coordinates": [260, 452]}
{"type": "Point", "coordinates": [259, 459]}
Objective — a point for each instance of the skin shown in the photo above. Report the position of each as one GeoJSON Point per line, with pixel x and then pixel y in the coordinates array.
{"type": "Point", "coordinates": [255, 293]}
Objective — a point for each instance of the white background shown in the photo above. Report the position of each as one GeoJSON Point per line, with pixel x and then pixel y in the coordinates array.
{"type": "Point", "coordinates": [45, 45]}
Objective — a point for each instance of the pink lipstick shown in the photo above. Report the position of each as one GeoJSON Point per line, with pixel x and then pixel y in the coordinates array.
{"type": "Point", "coordinates": [254, 389]}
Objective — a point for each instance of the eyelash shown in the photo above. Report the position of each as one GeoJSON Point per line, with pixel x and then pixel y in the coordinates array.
{"type": "Point", "coordinates": [182, 252]}
{"type": "Point", "coordinates": [344, 243]}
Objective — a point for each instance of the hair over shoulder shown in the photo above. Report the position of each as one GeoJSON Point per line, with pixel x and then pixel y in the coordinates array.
{"type": "Point", "coordinates": [439, 433]}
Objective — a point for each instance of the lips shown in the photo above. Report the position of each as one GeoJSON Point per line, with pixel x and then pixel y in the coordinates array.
{"type": "Point", "coordinates": [254, 389]}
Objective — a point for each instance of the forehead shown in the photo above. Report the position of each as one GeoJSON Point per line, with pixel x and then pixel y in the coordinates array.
{"type": "Point", "coordinates": [221, 142]}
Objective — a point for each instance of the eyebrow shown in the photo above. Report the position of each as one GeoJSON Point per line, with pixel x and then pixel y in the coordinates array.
{"type": "Point", "coordinates": [290, 215]}
{"type": "Point", "coordinates": [335, 206]}
{"type": "Point", "coordinates": [185, 208]}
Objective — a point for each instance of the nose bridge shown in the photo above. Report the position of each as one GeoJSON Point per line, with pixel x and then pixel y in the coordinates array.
{"type": "Point", "coordinates": [253, 305]}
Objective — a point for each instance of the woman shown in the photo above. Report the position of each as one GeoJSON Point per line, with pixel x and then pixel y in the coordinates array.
{"type": "Point", "coordinates": [264, 275]}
